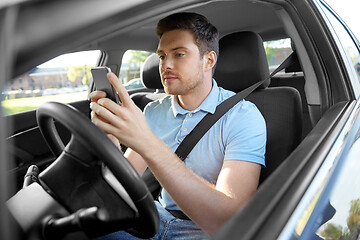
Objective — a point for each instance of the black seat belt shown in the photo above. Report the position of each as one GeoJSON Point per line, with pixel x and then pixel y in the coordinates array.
{"type": "Point", "coordinates": [207, 122]}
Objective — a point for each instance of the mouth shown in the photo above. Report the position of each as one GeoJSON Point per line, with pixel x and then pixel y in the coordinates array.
{"type": "Point", "coordinates": [170, 78]}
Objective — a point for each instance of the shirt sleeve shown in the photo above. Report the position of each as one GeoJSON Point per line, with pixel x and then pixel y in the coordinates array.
{"type": "Point", "coordinates": [245, 134]}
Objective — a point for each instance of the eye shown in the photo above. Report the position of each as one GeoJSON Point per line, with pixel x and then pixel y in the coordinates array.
{"type": "Point", "coordinates": [179, 54]}
{"type": "Point", "coordinates": [161, 57]}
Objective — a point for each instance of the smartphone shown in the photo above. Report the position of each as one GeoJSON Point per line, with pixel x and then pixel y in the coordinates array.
{"type": "Point", "coordinates": [102, 82]}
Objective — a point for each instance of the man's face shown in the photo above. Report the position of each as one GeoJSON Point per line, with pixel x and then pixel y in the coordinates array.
{"type": "Point", "coordinates": [181, 66]}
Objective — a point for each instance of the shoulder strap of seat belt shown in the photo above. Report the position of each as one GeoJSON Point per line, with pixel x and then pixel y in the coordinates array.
{"type": "Point", "coordinates": [209, 120]}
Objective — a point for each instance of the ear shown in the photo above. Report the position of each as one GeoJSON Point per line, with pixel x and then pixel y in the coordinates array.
{"type": "Point", "coordinates": [210, 60]}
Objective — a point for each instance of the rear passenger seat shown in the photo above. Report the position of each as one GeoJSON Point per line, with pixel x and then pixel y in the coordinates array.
{"type": "Point", "coordinates": [294, 77]}
{"type": "Point", "coordinates": [150, 78]}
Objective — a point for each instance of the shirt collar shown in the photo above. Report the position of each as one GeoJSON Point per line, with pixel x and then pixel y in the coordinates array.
{"type": "Point", "coordinates": [208, 105]}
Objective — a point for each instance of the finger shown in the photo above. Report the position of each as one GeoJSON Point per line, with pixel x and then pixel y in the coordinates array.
{"type": "Point", "coordinates": [111, 106]}
{"type": "Point", "coordinates": [104, 114]}
{"type": "Point", "coordinates": [123, 94]}
{"type": "Point", "coordinates": [106, 127]}
{"type": "Point", "coordinates": [101, 122]}
{"type": "Point", "coordinates": [96, 95]}
{"type": "Point", "coordinates": [94, 115]}
{"type": "Point", "coordinates": [100, 111]}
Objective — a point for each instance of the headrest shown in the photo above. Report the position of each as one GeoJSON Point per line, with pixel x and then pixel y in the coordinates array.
{"type": "Point", "coordinates": [241, 62]}
{"type": "Point", "coordinates": [150, 75]}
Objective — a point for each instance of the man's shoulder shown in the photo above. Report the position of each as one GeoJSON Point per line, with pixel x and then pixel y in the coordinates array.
{"type": "Point", "coordinates": [244, 113]}
{"type": "Point", "coordinates": [224, 94]}
{"type": "Point", "coordinates": [244, 110]}
{"type": "Point", "coordinates": [159, 104]}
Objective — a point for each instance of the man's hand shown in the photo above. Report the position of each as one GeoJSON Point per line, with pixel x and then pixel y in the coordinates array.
{"type": "Point", "coordinates": [126, 121]}
{"type": "Point", "coordinates": [95, 96]}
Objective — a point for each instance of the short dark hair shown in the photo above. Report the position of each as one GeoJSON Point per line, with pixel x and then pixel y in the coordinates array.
{"type": "Point", "coordinates": [206, 34]}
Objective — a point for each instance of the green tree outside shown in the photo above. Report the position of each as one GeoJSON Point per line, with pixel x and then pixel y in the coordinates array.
{"type": "Point", "coordinates": [332, 231]}
{"type": "Point", "coordinates": [83, 72]}
{"type": "Point", "coordinates": [137, 57]}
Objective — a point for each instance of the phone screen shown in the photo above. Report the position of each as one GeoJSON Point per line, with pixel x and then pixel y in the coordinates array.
{"type": "Point", "coordinates": [102, 83]}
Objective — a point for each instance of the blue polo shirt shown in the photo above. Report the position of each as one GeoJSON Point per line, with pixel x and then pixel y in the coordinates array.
{"type": "Point", "coordinates": [238, 135]}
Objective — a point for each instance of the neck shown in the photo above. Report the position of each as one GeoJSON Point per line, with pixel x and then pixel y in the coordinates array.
{"type": "Point", "coordinates": [193, 99]}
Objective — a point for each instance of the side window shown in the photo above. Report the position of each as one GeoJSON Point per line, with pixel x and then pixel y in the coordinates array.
{"type": "Point", "coordinates": [62, 79]}
{"type": "Point", "coordinates": [276, 51]}
{"type": "Point", "coordinates": [340, 212]}
{"type": "Point", "coordinates": [130, 68]}
{"type": "Point", "coordinates": [348, 44]}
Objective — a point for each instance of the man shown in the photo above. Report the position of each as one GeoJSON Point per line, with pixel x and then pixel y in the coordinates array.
{"type": "Point", "coordinates": [222, 172]}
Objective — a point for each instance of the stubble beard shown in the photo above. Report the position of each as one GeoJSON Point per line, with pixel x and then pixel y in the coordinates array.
{"type": "Point", "coordinates": [185, 87]}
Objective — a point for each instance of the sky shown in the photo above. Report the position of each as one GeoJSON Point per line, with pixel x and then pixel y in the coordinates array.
{"type": "Point", "coordinates": [73, 59]}
{"type": "Point", "coordinates": [349, 11]}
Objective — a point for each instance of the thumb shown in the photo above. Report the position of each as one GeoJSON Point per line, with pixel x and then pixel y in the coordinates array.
{"type": "Point", "coordinates": [123, 94]}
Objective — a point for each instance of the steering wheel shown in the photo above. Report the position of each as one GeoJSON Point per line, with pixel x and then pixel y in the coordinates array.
{"type": "Point", "coordinates": [84, 178]}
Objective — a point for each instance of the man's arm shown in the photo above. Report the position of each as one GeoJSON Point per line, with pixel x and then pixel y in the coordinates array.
{"type": "Point", "coordinates": [206, 204]}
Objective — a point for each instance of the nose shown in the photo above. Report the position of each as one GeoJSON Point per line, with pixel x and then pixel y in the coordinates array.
{"type": "Point", "coordinates": [166, 64]}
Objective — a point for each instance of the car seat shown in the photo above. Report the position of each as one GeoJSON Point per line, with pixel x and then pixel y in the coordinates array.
{"type": "Point", "coordinates": [241, 63]}
{"type": "Point", "coordinates": [294, 77]}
